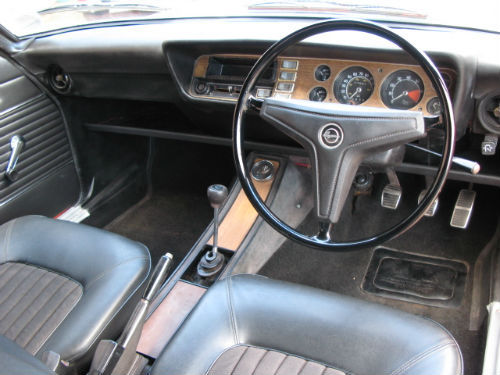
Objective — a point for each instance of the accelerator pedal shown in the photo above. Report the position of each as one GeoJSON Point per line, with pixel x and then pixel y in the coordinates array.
{"type": "Point", "coordinates": [463, 209]}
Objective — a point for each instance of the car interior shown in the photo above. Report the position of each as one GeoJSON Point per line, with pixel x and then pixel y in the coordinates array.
{"type": "Point", "coordinates": [250, 195]}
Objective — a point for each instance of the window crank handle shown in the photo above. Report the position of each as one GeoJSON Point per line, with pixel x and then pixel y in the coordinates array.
{"type": "Point", "coordinates": [16, 147]}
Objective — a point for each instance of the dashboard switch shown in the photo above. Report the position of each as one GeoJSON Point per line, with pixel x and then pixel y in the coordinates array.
{"type": "Point", "coordinates": [264, 93]}
{"type": "Point", "coordinates": [290, 64]}
{"type": "Point", "coordinates": [285, 86]}
{"type": "Point", "coordinates": [288, 76]}
{"type": "Point", "coordinates": [489, 145]}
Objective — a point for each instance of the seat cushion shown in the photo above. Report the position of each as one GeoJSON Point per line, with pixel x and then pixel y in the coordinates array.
{"type": "Point", "coordinates": [301, 323]}
{"type": "Point", "coordinates": [108, 268]}
{"type": "Point", "coordinates": [33, 303]}
{"type": "Point", "coordinates": [250, 360]}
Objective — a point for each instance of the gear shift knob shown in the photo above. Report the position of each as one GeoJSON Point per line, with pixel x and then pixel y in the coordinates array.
{"type": "Point", "coordinates": [213, 261]}
{"type": "Point", "coordinates": [217, 194]}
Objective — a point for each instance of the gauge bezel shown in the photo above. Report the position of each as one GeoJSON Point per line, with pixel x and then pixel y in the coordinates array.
{"type": "Point", "coordinates": [317, 87]}
{"type": "Point", "coordinates": [343, 74]}
{"type": "Point", "coordinates": [316, 69]}
{"type": "Point", "coordinates": [384, 87]}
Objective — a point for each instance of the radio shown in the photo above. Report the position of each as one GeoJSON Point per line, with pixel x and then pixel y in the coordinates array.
{"type": "Point", "coordinates": [221, 77]}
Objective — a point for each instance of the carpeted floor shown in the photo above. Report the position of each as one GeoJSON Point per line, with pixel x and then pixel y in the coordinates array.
{"type": "Point", "coordinates": [344, 272]}
{"type": "Point", "coordinates": [177, 211]}
{"type": "Point", "coordinates": [165, 222]}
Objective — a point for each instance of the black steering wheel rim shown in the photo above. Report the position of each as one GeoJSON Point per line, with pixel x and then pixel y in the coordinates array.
{"type": "Point", "coordinates": [243, 105]}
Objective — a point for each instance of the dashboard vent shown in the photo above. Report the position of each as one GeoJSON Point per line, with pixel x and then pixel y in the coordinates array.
{"type": "Point", "coordinates": [59, 80]}
{"type": "Point", "coordinates": [489, 112]}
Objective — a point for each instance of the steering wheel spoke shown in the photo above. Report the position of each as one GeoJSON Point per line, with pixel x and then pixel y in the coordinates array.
{"type": "Point", "coordinates": [338, 137]}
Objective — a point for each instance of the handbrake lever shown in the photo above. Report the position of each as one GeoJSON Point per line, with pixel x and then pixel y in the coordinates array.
{"type": "Point", "coordinates": [116, 357]}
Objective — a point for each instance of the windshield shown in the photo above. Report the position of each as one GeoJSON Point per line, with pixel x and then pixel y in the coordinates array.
{"type": "Point", "coordinates": [26, 17]}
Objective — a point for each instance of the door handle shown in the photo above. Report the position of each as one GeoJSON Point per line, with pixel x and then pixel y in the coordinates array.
{"type": "Point", "coordinates": [16, 147]}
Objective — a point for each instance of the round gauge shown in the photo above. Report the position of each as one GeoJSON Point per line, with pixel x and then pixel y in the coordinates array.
{"type": "Point", "coordinates": [353, 85]}
{"type": "Point", "coordinates": [322, 73]}
{"type": "Point", "coordinates": [434, 106]}
{"type": "Point", "coordinates": [403, 89]}
{"type": "Point", "coordinates": [317, 94]}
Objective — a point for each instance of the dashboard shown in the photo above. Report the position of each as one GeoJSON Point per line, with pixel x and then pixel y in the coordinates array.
{"type": "Point", "coordinates": [354, 82]}
{"type": "Point", "coordinates": [190, 71]}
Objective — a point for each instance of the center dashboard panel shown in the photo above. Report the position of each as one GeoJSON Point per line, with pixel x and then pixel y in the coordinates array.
{"type": "Point", "coordinates": [374, 84]}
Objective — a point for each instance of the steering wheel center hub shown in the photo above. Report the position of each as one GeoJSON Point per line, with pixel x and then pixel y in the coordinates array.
{"type": "Point", "coordinates": [331, 135]}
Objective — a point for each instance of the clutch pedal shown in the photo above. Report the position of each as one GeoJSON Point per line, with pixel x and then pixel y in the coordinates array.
{"type": "Point", "coordinates": [463, 209]}
{"type": "Point", "coordinates": [431, 211]}
{"type": "Point", "coordinates": [391, 195]}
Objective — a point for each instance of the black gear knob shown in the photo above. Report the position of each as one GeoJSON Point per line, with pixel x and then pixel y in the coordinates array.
{"type": "Point", "coordinates": [217, 194]}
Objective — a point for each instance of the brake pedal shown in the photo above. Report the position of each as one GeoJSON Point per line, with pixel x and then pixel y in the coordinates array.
{"type": "Point", "coordinates": [391, 195]}
{"type": "Point", "coordinates": [431, 211]}
{"type": "Point", "coordinates": [463, 209]}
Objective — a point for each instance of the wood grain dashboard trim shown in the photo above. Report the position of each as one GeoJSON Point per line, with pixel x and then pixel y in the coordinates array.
{"type": "Point", "coordinates": [305, 80]}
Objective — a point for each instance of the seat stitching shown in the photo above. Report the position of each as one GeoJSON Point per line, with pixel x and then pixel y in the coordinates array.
{"type": "Point", "coordinates": [259, 361]}
{"type": "Point", "coordinates": [345, 370]}
{"type": "Point", "coordinates": [33, 317]}
{"type": "Point", "coordinates": [281, 363]}
{"type": "Point", "coordinates": [24, 294]}
{"type": "Point", "coordinates": [285, 355]}
{"type": "Point", "coordinates": [419, 357]}
{"type": "Point", "coordinates": [302, 368]}
{"type": "Point", "coordinates": [14, 274]}
{"type": "Point", "coordinates": [238, 361]}
{"type": "Point", "coordinates": [62, 320]}
{"type": "Point", "coordinates": [460, 359]}
{"type": "Point", "coordinates": [220, 355]}
{"type": "Point", "coordinates": [49, 316]}
{"type": "Point", "coordinates": [231, 311]}
{"type": "Point", "coordinates": [102, 274]}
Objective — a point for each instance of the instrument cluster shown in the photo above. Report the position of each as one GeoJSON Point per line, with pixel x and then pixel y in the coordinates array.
{"type": "Point", "coordinates": [389, 85]}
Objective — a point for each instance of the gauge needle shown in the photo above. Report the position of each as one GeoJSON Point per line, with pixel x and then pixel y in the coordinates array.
{"type": "Point", "coordinates": [413, 95]}
{"type": "Point", "coordinates": [357, 91]}
{"type": "Point", "coordinates": [404, 93]}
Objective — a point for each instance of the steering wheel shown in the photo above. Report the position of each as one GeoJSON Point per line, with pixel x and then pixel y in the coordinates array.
{"type": "Point", "coordinates": [338, 137]}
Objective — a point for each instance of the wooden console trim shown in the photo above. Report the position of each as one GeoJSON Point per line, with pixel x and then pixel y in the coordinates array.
{"type": "Point", "coordinates": [241, 216]}
{"type": "Point", "coordinates": [168, 316]}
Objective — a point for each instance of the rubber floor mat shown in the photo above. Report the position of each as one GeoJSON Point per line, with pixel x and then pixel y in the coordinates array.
{"type": "Point", "coordinates": [415, 278]}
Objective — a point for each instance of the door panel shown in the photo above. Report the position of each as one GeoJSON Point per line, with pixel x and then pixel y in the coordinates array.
{"type": "Point", "coordinates": [47, 180]}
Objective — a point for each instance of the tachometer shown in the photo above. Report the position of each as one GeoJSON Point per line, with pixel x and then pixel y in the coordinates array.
{"type": "Point", "coordinates": [403, 89]}
{"type": "Point", "coordinates": [353, 85]}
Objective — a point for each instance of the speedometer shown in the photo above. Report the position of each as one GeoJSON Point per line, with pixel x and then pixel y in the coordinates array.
{"type": "Point", "coordinates": [402, 89]}
{"type": "Point", "coordinates": [353, 85]}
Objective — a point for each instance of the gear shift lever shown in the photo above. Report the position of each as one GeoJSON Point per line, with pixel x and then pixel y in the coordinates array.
{"type": "Point", "coordinates": [212, 261]}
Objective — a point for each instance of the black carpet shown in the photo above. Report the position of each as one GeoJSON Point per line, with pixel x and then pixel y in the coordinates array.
{"type": "Point", "coordinates": [343, 272]}
{"type": "Point", "coordinates": [165, 222]}
{"type": "Point", "coordinates": [176, 211]}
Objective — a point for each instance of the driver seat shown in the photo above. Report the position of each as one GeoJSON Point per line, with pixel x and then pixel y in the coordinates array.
{"type": "Point", "coordinates": [248, 324]}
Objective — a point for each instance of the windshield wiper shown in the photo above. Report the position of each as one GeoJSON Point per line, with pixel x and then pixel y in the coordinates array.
{"type": "Point", "coordinates": [333, 6]}
{"type": "Point", "coordinates": [99, 7]}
